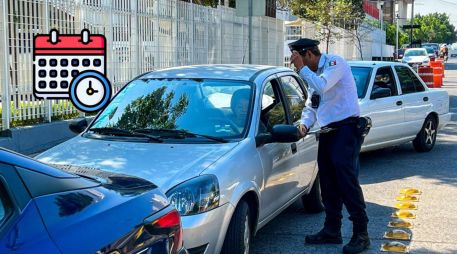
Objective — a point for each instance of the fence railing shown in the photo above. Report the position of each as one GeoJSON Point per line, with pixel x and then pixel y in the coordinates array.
{"type": "Point", "coordinates": [142, 35]}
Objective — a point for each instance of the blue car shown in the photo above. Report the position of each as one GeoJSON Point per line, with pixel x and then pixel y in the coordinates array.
{"type": "Point", "coordinates": [82, 210]}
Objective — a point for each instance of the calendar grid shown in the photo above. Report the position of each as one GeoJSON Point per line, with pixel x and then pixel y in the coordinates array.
{"type": "Point", "coordinates": [142, 35]}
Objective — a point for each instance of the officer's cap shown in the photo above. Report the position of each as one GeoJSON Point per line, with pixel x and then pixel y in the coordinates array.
{"type": "Point", "coordinates": [303, 44]}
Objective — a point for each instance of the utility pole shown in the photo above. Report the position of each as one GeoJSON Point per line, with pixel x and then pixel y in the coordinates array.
{"type": "Point", "coordinates": [412, 24]}
{"type": "Point", "coordinates": [250, 31]}
{"type": "Point", "coordinates": [381, 18]}
{"type": "Point", "coordinates": [397, 16]}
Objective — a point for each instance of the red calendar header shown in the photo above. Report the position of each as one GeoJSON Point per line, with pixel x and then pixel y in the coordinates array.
{"type": "Point", "coordinates": [69, 44]}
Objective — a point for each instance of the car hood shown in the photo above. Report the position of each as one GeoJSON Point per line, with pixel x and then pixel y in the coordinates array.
{"type": "Point", "coordinates": [162, 164]}
{"type": "Point", "coordinates": [415, 59]}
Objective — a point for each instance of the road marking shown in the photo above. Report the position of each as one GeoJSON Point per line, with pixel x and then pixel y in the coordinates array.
{"type": "Point", "coordinates": [407, 198]}
{"type": "Point", "coordinates": [410, 191]}
{"type": "Point", "coordinates": [397, 234]}
{"type": "Point", "coordinates": [403, 214]}
{"type": "Point", "coordinates": [406, 206]}
{"type": "Point", "coordinates": [395, 247]}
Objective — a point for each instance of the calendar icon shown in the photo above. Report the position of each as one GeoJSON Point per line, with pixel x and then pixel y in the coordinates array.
{"type": "Point", "coordinates": [71, 66]}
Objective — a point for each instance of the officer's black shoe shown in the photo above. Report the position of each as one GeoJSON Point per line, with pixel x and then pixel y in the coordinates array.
{"type": "Point", "coordinates": [323, 237]}
{"type": "Point", "coordinates": [359, 242]}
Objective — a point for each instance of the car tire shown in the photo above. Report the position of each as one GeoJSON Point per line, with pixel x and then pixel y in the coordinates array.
{"type": "Point", "coordinates": [312, 202]}
{"type": "Point", "coordinates": [426, 138]}
{"type": "Point", "coordinates": [239, 235]}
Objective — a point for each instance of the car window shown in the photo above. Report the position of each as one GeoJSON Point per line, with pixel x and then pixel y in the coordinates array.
{"type": "Point", "coordinates": [219, 108]}
{"type": "Point", "coordinates": [416, 52]}
{"type": "Point", "coordinates": [361, 77]}
{"type": "Point", "coordinates": [406, 82]}
{"type": "Point", "coordinates": [4, 205]}
{"type": "Point", "coordinates": [385, 79]}
{"type": "Point", "coordinates": [418, 86]}
{"type": "Point", "coordinates": [273, 111]}
{"type": "Point", "coordinates": [296, 97]}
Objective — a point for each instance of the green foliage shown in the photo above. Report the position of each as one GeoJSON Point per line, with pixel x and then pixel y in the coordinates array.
{"type": "Point", "coordinates": [328, 14]}
{"type": "Point", "coordinates": [391, 36]}
{"type": "Point", "coordinates": [154, 110]}
{"type": "Point", "coordinates": [435, 27]}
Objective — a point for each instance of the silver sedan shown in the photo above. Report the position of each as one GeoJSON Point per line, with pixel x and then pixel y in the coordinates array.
{"type": "Point", "coordinates": [220, 140]}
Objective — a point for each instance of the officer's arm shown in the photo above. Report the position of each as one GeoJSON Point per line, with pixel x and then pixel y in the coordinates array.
{"type": "Point", "coordinates": [308, 115]}
{"type": "Point", "coordinates": [333, 73]}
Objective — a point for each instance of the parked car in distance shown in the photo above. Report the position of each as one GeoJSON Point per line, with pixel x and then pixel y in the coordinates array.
{"type": "Point", "coordinates": [435, 46]}
{"type": "Point", "coordinates": [401, 53]}
{"type": "Point", "coordinates": [416, 57]}
{"type": "Point", "coordinates": [219, 140]}
{"type": "Point", "coordinates": [402, 108]}
{"type": "Point", "coordinates": [431, 53]}
{"type": "Point", "coordinates": [82, 210]}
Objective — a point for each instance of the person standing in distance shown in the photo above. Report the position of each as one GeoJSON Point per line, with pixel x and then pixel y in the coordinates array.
{"type": "Point", "coordinates": [334, 104]}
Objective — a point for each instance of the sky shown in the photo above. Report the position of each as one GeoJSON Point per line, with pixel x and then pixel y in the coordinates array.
{"type": "Point", "coordinates": [430, 6]}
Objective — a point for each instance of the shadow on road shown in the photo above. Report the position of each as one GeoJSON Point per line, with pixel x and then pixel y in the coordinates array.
{"type": "Point", "coordinates": [285, 233]}
{"type": "Point", "coordinates": [432, 165]}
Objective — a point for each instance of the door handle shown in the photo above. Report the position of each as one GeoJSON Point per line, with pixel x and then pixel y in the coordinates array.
{"type": "Point", "coordinates": [399, 103]}
{"type": "Point", "coordinates": [425, 98]}
{"type": "Point", "coordinates": [293, 147]}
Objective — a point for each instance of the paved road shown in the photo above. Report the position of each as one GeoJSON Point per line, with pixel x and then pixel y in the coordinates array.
{"type": "Point", "coordinates": [382, 175]}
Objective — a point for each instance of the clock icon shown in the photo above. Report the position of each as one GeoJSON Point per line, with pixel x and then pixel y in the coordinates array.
{"type": "Point", "coordinates": [90, 91]}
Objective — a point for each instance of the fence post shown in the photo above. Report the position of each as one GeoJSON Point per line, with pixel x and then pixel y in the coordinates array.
{"type": "Point", "coordinates": [6, 98]}
{"type": "Point", "coordinates": [47, 102]}
{"type": "Point", "coordinates": [135, 38]}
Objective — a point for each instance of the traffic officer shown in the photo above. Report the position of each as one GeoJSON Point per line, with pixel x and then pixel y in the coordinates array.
{"type": "Point", "coordinates": [334, 104]}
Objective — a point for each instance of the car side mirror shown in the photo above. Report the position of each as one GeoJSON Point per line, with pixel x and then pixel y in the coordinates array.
{"type": "Point", "coordinates": [283, 133]}
{"type": "Point", "coordinates": [78, 126]}
{"type": "Point", "coordinates": [380, 93]}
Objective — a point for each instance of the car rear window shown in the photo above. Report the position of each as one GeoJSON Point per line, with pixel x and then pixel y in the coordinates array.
{"type": "Point", "coordinates": [362, 77]}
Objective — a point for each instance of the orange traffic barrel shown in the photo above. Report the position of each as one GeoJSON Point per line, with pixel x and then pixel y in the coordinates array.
{"type": "Point", "coordinates": [437, 77]}
{"type": "Point", "coordinates": [426, 74]}
{"type": "Point", "coordinates": [441, 64]}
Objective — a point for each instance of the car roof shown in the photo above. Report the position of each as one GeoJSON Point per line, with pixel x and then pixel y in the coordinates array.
{"type": "Point", "coordinates": [415, 49]}
{"type": "Point", "coordinates": [372, 63]}
{"type": "Point", "coordinates": [242, 72]}
{"type": "Point", "coordinates": [15, 159]}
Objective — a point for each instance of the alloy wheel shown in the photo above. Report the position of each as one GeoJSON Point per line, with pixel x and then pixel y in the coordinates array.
{"type": "Point", "coordinates": [430, 133]}
{"type": "Point", "coordinates": [247, 235]}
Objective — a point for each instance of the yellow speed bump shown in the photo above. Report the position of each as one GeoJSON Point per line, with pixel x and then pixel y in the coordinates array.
{"type": "Point", "coordinates": [402, 214]}
{"type": "Point", "coordinates": [397, 234]}
{"type": "Point", "coordinates": [399, 223]}
{"type": "Point", "coordinates": [395, 247]}
{"type": "Point", "coordinates": [407, 198]}
{"type": "Point", "coordinates": [410, 191]}
{"type": "Point", "coordinates": [406, 206]}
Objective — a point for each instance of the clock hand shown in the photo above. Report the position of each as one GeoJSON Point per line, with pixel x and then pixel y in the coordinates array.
{"type": "Point", "coordinates": [91, 90]}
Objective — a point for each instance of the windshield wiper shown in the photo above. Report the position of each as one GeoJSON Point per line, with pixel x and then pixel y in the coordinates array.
{"type": "Point", "coordinates": [125, 133]}
{"type": "Point", "coordinates": [182, 134]}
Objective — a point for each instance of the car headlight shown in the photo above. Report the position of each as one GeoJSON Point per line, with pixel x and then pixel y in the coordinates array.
{"type": "Point", "coordinates": [195, 196]}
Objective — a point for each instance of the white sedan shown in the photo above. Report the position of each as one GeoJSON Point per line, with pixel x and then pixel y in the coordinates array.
{"type": "Point", "coordinates": [400, 105]}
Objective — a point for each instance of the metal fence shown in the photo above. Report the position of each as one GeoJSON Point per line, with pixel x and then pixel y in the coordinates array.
{"type": "Point", "coordinates": [142, 35]}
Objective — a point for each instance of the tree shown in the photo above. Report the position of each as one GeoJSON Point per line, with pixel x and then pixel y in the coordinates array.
{"type": "Point", "coordinates": [328, 15]}
{"type": "Point", "coordinates": [391, 35]}
{"type": "Point", "coordinates": [154, 110]}
{"type": "Point", "coordinates": [434, 27]}
{"type": "Point", "coordinates": [361, 29]}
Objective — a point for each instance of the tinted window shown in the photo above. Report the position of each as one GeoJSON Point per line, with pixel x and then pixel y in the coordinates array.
{"type": "Point", "coordinates": [201, 106]}
{"type": "Point", "coordinates": [361, 77]}
{"type": "Point", "coordinates": [385, 79]}
{"type": "Point", "coordinates": [296, 97]}
{"type": "Point", "coordinates": [273, 111]}
{"type": "Point", "coordinates": [416, 52]}
{"type": "Point", "coordinates": [4, 208]}
{"type": "Point", "coordinates": [409, 82]}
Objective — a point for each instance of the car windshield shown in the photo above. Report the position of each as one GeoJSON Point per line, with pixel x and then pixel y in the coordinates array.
{"type": "Point", "coordinates": [416, 52]}
{"type": "Point", "coordinates": [362, 77]}
{"type": "Point", "coordinates": [184, 109]}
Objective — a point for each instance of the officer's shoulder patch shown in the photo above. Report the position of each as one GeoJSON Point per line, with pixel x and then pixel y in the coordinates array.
{"type": "Point", "coordinates": [332, 63]}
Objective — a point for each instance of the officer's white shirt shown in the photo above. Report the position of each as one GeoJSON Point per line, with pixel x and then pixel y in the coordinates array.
{"type": "Point", "coordinates": [336, 86]}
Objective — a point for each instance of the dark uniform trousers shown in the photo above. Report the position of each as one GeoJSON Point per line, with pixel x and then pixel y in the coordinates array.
{"type": "Point", "coordinates": [338, 160]}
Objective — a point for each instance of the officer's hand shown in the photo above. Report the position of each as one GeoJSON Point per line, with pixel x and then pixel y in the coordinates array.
{"type": "Point", "coordinates": [302, 130]}
{"type": "Point", "coordinates": [296, 60]}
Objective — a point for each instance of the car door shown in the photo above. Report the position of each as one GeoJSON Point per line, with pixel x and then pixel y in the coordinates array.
{"type": "Point", "coordinates": [306, 156]}
{"type": "Point", "coordinates": [416, 103]}
{"type": "Point", "coordinates": [280, 181]}
{"type": "Point", "coordinates": [21, 226]}
{"type": "Point", "coordinates": [386, 113]}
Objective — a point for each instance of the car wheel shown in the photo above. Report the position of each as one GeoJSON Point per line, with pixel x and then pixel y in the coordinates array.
{"type": "Point", "coordinates": [238, 237]}
{"type": "Point", "coordinates": [312, 202]}
{"type": "Point", "coordinates": [426, 138]}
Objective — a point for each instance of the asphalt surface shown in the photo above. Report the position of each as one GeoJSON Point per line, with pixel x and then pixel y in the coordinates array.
{"type": "Point", "coordinates": [383, 174]}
